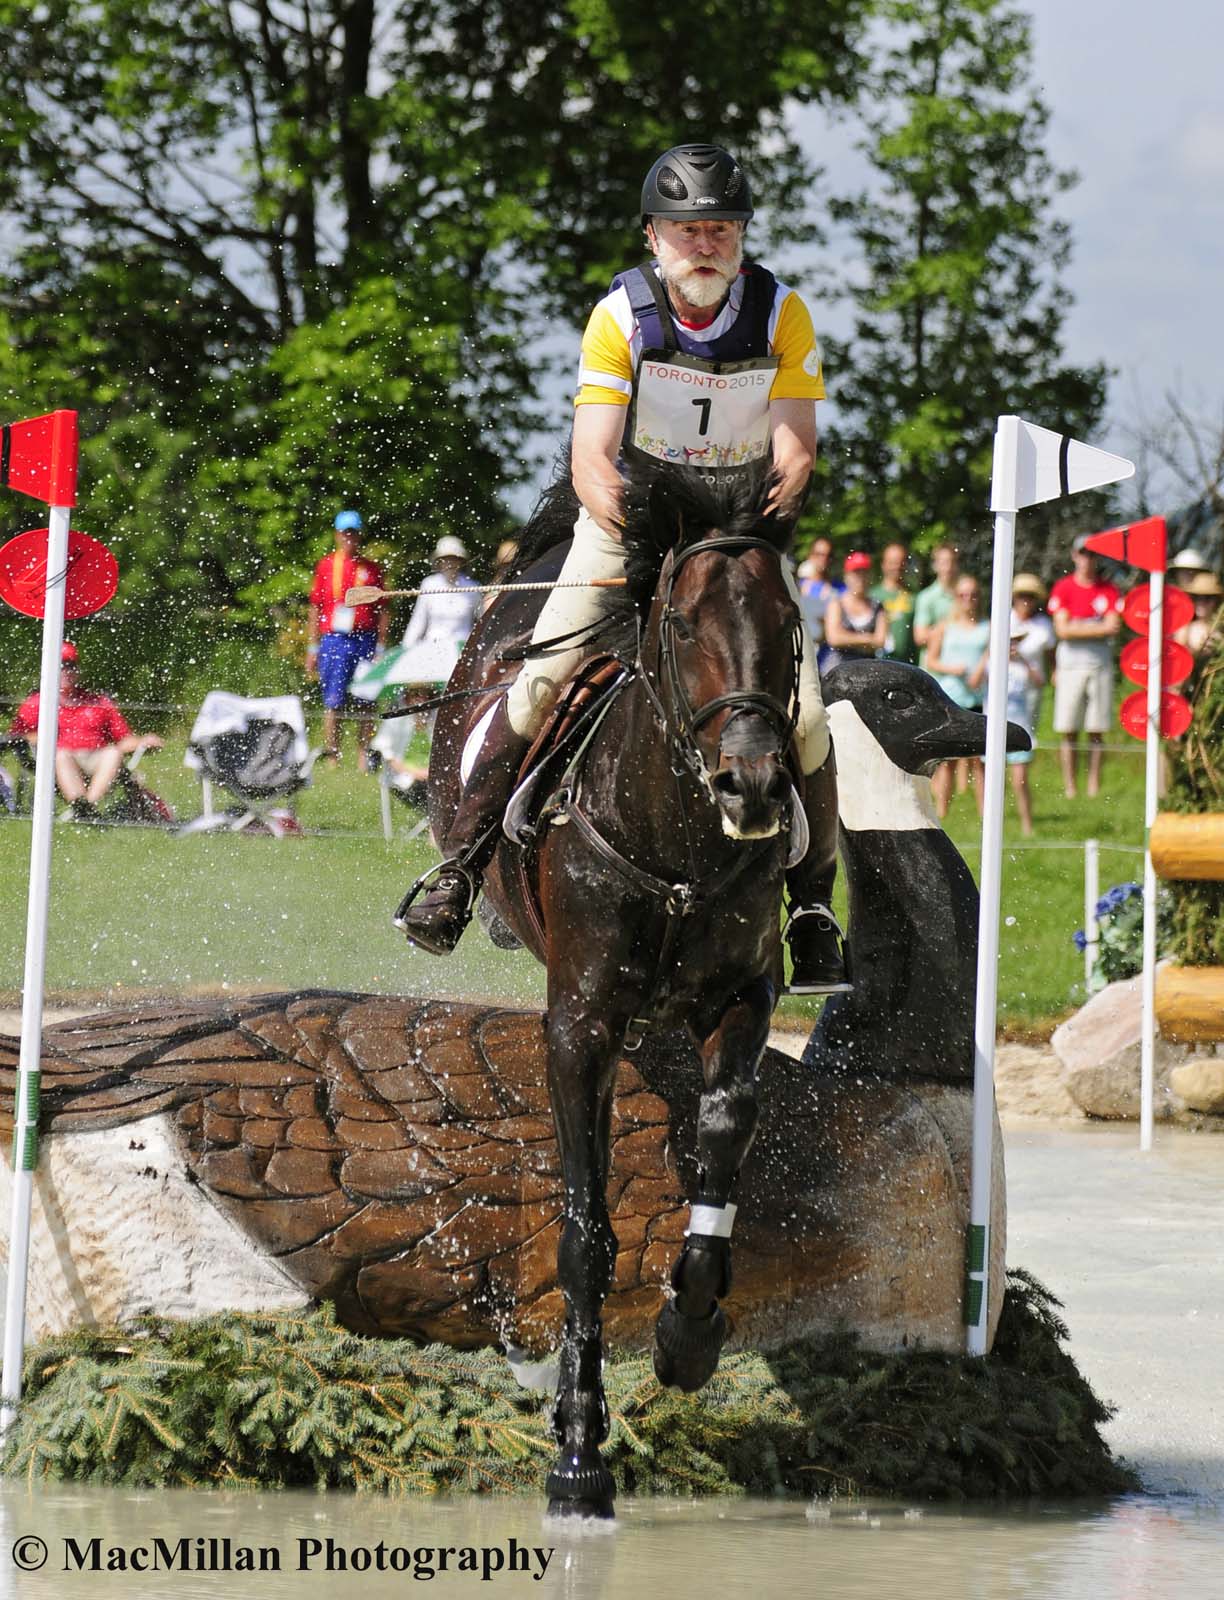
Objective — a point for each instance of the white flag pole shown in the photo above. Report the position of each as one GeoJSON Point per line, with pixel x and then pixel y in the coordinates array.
{"type": "Point", "coordinates": [1031, 464]}
{"type": "Point", "coordinates": [1147, 1068]}
{"type": "Point", "coordinates": [977, 1285]}
{"type": "Point", "coordinates": [25, 1126]}
{"type": "Point", "coordinates": [1092, 893]}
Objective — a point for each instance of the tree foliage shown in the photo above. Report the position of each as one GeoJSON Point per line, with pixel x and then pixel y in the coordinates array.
{"type": "Point", "coordinates": [958, 307]}
{"type": "Point", "coordinates": [282, 255]}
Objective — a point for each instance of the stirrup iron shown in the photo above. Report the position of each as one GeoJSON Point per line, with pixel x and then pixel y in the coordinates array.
{"type": "Point", "coordinates": [453, 864]}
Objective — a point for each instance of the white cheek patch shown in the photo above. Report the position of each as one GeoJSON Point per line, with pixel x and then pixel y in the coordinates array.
{"type": "Point", "coordinates": [472, 744]}
{"type": "Point", "coordinates": [873, 793]}
{"type": "Point", "coordinates": [712, 1222]}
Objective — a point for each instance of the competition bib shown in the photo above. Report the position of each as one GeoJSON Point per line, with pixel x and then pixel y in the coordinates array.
{"type": "Point", "coordinates": [703, 413]}
{"type": "Point", "coordinates": [342, 619]}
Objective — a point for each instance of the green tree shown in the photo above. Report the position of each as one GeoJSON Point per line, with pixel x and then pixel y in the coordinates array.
{"type": "Point", "coordinates": [279, 251]}
{"type": "Point", "coordinates": [959, 307]}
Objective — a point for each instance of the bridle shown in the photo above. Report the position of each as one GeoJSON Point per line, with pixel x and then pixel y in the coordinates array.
{"type": "Point", "coordinates": [681, 721]}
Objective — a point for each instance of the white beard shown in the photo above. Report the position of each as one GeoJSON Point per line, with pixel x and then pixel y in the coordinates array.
{"type": "Point", "coordinates": [696, 287]}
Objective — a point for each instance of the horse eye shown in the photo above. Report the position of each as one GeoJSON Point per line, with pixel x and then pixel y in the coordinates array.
{"type": "Point", "coordinates": [900, 698]}
{"type": "Point", "coordinates": [679, 626]}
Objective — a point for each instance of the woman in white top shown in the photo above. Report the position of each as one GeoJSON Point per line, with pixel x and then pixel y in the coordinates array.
{"type": "Point", "coordinates": [442, 618]}
{"type": "Point", "coordinates": [433, 642]}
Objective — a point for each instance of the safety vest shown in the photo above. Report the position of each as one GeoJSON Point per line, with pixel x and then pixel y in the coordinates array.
{"type": "Point", "coordinates": [706, 405]}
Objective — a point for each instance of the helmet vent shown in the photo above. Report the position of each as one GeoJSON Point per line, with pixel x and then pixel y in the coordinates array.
{"type": "Point", "coordinates": [669, 183]}
{"type": "Point", "coordinates": [734, 183]}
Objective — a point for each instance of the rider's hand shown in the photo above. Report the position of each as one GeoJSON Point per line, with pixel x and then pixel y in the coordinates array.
{"type": "Point", "coordinates": [150, 741]}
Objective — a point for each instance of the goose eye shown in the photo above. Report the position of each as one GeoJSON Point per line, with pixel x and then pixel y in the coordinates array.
{"type": "Point", "coordinates": [899, 699]}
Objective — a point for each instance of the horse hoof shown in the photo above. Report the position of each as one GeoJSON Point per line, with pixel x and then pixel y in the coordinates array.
{"type": "Point", "coordinates": [580, 1486]}
{"type": "Point", "coordinates": [686, 1349]}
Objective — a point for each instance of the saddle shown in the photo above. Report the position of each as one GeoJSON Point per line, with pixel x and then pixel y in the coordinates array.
{"type": "Point", "coordinates": [574, 716]}
{"type": "Point", "coordinates": [559, 745]}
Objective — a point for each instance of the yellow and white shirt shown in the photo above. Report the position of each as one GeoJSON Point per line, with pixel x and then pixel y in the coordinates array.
{"type": "Point", "coordinates": [612, 346]}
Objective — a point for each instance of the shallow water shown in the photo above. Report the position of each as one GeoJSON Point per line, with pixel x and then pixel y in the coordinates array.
{"type": "Point", "coordinates": [1138, 1546]}
{"type": "Point", "coordinates": [1128, 1242]}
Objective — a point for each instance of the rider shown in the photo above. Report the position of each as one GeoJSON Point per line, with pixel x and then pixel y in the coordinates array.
{"type": "Point", "coordinates": [694, 308]}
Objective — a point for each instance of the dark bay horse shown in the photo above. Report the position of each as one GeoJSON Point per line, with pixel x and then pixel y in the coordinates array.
{"type": "Point", "coordinates": [657, 874]}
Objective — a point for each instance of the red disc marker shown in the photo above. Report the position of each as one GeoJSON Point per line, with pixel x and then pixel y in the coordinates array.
{"type": "Point", "coordinates": [1178, 609]}
{"type": "Point", "coordinates": [1174, 715]}
{"type": "Point", "coordinates": [1176, 662]}
{"type": "Point", "coordinates": [91, 579]}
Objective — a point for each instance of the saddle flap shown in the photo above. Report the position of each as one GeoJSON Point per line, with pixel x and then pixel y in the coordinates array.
{"type": "Point", "coordinates": [589, 684]}
{"type": "Point", "coordinates": [578, 704]}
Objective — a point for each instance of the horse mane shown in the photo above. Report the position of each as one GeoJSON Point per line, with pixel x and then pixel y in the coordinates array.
{"type": "Point", "coordinates": [668, 507]}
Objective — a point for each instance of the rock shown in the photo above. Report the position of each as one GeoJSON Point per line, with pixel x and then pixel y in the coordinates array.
{"type": "Point", "coordinates": [389, 1156]}
{"type": "Point", "coordinates": [1099, 1048]}
{"type": "Point", "coordinates": [1029, 1083]}
{"type": "Point", "coordinates": [1200, 1084]}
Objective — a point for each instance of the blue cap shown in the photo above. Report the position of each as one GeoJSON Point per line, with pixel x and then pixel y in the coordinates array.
{"type": "Point", "coordinates": [348, 520]}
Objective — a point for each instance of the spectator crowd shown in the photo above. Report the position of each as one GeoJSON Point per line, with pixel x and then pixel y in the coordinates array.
{"type": "Point", "coordinates": [1065, 636]}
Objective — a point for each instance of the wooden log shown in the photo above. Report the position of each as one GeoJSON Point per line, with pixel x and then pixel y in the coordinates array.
{"type": "Point", "coordinates": [1188, 846]}
{"type": "Point", "coordinates": [1190, 1003]}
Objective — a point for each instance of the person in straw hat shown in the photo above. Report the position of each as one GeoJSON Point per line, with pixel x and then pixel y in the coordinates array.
{"type": "Point", "coordinates": [1037, 641]}
{"type": "Point", "coordinates": [1205, 589]}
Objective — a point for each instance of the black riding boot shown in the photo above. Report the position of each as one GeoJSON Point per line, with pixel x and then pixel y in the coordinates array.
{"type": "Point", "coordinates": [438, 918]}
{"type": "Point", "coordinates": [817, 958]}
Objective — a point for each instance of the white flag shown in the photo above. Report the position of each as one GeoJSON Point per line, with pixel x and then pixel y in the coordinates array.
{"type": "Point", "coordinates": [1033, 464]}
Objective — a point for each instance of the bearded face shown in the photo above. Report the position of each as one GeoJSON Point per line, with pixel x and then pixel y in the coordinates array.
{"type": "Point", "coordinates": [699, 260]}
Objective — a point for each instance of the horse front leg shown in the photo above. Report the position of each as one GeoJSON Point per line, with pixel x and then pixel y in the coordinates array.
{"type": "Point", "coordinates": [692, 1328]}
{"type": "Point", "coordinates": [582, 1055]}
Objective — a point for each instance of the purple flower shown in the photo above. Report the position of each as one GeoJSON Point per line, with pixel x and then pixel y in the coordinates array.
{"type": "Point", "coordinates": [1080, 939]}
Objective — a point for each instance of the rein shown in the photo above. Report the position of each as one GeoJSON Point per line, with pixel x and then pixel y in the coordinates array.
{"type": "Point", "coordinates": [682, 899]}
{"type": "Point", "coordinates": [783, 717]}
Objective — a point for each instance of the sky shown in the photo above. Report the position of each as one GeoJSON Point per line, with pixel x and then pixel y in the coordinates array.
{"type": "Point", "coordinates": [1136, 94]}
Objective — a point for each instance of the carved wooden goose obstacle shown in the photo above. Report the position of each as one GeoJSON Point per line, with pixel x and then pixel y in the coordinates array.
{"type": "Point", "coordinates": [395, 1156]}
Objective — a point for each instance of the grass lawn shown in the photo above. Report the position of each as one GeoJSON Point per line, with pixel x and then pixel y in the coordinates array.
{"type": "Point", "coordinates": [139, 911]}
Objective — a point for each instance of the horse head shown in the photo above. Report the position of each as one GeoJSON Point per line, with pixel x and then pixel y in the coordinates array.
{"type": "Point", "coordinates": [721, 642]}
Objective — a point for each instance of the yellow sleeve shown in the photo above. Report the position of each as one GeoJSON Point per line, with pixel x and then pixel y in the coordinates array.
{"type": "Point", "coordinates": [605, 368]}
{"type": "Point", "coordinates": [799, 375]}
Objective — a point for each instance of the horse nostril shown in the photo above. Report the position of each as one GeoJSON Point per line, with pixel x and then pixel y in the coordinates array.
{"type": "Point", "coordinates": [779, 787]}
{"type": "Point", "coordinates": [725, 783]}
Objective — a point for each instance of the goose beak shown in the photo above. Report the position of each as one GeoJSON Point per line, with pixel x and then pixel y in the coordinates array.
{"type": "Point", "coordinates": [962, 733]}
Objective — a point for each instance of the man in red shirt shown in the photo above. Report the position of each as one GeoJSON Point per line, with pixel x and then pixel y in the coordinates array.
{"type": "Point", "coordinates": [1086, 616]}
{"type": "Point", "coordinates": [92, 741]}
{"type": "Point", "coordinates": [342, 636]}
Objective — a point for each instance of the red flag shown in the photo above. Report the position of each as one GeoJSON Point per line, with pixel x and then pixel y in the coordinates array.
{"type": "Point", "coordinates": [39, 457]}
{"type": "Point", "coordinates": [1143, 544]}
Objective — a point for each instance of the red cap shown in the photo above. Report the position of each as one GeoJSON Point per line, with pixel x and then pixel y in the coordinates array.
{"type": "Point", "coordinates": [68, 652]}
{"type": "Point", "coordinates": [857, 561]}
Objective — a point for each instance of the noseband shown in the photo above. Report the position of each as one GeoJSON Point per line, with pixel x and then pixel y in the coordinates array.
{"type": "Point", "coordinates": [685, 721]}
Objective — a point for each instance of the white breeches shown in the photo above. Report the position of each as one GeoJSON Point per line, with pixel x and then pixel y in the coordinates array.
{"type": "Point", "coordinates": [595, 554]}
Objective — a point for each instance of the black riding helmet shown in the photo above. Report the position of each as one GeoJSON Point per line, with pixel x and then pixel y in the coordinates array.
{"type": "Point", "coordinates": [696, 182]}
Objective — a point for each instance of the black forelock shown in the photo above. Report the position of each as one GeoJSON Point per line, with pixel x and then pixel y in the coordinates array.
{"type": "Point", "coordinates": [668, 507]}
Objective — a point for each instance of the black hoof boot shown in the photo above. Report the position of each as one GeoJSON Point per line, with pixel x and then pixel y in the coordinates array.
{"type": "Point", "coordinates": [686, 1349]}
{"type": "Point", "coordinates": [581, 1486]}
